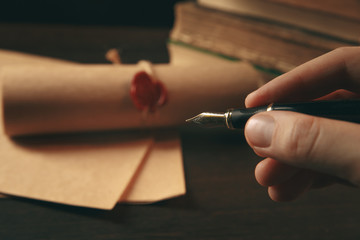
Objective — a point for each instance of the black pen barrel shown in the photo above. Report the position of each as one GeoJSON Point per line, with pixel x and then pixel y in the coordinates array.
{"type": "Point", "coordinates": [346, 110]}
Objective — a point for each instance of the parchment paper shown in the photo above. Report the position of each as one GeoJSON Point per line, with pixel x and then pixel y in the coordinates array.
{"type": "Point", "coordinates": [39, 99]}
{"type": "Point", "coordinates": [80, 175]}
{"type": "Point", "coordinates": [97, 169]}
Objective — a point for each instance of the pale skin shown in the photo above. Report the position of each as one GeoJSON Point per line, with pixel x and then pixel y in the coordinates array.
{"type": "Point", "coordinates": [300, 151]}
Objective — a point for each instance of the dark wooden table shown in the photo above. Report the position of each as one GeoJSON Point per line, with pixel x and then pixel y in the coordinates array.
{"type": "Point", "coordinates": [223, 200]}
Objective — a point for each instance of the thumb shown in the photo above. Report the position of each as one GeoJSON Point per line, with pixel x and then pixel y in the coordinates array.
{"type": "Point", "coordinates": [319, 144]}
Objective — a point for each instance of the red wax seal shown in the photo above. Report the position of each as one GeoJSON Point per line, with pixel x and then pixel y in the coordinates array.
{"type": "Point", "coordinates": [147, 93]}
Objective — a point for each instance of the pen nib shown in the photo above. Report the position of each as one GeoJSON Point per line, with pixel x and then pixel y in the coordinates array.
{"type": "Point", "coordinates": [209, 119]}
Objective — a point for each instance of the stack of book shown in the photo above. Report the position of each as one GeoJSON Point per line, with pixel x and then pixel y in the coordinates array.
{"type": "Point", "coordinates": [274, 35]}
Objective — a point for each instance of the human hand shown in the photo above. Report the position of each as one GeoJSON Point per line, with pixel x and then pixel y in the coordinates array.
{"type": "Point", "coordinates": [302, 151]}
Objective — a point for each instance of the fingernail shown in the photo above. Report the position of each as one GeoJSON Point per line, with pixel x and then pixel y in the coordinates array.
{"type": "Point", "coordinates": [248, 97]}
{"type": "Point", "coordinates": [259, 130]}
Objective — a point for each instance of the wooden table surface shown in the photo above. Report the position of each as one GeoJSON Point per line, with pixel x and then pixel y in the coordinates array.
{"type": "Point", "coordinates": [223, 200]}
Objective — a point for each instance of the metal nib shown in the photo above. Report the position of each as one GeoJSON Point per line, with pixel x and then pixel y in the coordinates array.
{"type": "Point", "coordinates": [209, 119]}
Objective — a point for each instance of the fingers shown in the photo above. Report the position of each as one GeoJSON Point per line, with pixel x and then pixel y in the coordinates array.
{"type": "Point", "coordinates": [340, 94]}
{"type": "Point", "coordinates": [305, 152]}
{"type": "Point", "coordinates": [318, 144]}
{"type": "Point", "coordinates": [270, 172]}
{"type": "Point", "coordinates": [285, 182]}
{"type": "Point", "coordinates": [338, 69]}
{"type": "Point", "coordinates": [293, 188]}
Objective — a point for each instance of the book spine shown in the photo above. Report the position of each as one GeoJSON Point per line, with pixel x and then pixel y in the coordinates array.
{"type": "Point", "coordinates": [346, 8]}
{"type": "Point", "coordinates": [264, 44]}
{"type": "Point", "coordinates": [317, 21]}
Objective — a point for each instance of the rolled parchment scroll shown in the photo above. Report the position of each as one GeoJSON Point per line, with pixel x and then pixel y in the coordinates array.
{"type": "Point", "coordinates": [72, 98]}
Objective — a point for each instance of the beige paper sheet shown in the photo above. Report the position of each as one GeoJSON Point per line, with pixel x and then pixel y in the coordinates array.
{"type": "Point", "coordinates": [167, 148]}
{"type": "Point", "coordinates": [155, 176]}
{"type": "Point", "coordinates": [161, 176]}
{"type": "Point", "coordinates": [76, 173]}
{"type": "Point", "coordinates": [8, 57]}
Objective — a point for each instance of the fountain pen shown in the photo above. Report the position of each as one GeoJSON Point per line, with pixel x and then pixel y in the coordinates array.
{"type": "Point", "coordinates": [346, 110]}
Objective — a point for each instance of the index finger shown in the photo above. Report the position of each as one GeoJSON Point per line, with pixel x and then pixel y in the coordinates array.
{"type": "Point", "coordinates": [338, 69]}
